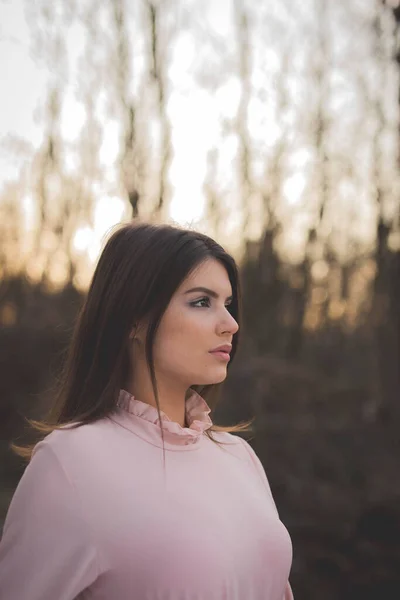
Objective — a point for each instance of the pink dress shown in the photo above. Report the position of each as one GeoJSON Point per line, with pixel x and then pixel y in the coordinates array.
{"type": "Point", "coordinates": [94, 517]}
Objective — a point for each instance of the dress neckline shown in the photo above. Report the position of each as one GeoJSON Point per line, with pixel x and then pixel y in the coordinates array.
{"type": "Point", "coordinates": [143, 420]}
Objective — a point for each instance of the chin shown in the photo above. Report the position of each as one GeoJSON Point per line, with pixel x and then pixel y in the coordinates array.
{"type": "Point", "coordinates": [216, 379]}
{"type": "Point", "coordinates": [210, 380]}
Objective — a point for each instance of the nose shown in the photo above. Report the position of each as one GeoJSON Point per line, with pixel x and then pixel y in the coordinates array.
{"type": "Point", "coordinates": [229, 324]}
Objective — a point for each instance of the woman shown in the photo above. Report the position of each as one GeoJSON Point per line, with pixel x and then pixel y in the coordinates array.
{"type": "Point", "coordinates": [97, 514]}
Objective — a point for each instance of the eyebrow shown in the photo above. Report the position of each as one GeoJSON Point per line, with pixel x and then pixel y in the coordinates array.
{"type": "Point", "coordinates": [206, 291]}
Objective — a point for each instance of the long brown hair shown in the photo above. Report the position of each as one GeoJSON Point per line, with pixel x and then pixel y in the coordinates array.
{"type": "Point", "coordinates": [139, 269]}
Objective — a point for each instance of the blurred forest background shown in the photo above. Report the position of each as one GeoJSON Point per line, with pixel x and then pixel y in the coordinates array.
{"type": "Point", "coordinates": [274, 127]}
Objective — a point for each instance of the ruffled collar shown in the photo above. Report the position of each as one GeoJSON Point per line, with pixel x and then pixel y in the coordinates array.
{"type": "Point", "coordinates": [143, 419]}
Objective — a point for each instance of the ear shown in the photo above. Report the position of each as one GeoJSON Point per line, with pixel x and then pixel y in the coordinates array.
{"type": "Point", "coordinates": [138, 330]}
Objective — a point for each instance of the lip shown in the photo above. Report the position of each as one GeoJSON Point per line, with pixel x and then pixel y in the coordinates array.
{"type": "Point", "coordinates": [227, 348]}
{"type": "Point", "coordinates": [221, 355]}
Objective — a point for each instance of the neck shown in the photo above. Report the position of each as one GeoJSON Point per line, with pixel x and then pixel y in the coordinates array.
{"type": "Point", "coordinates": [172, 398]}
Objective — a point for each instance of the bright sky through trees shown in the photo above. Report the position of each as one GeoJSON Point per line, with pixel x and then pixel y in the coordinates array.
{"type": "Point", "coordinates": [203, 112]}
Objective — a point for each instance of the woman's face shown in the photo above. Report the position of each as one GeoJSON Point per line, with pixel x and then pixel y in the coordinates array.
{"type": "Point", "coordinates": [195, 323]}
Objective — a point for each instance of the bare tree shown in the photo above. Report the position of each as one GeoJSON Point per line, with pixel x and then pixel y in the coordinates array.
{"type": "Point", "coordinates": [244, 71]}
{"type": "Point", "coordinates": [213, 204]}
{"type": "Point", "coordinates": [56, 198]}
{"type": "Point", "coordinates": [131, 154]}
{"type": "Point", "coordinates": [315, 245]}
{"type": "Point", "coordinates": [386, 296]}
{"type": "Point", "coordinates": [160, 45]}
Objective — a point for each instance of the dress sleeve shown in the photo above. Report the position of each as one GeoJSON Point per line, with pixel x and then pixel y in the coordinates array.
{"type": "Point", "coordinates": [46, 549]}
{"type": "Point", "coordinates": [261, 471]}
{"type": "Point", "coordinates": [288, 592]}
{"type": "Point", "coordinates": [259, 468]}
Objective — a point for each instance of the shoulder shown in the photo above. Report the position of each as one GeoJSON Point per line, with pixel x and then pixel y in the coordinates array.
{"type": "Point", "coordinates": [235, 443]}
{"type": "Point", "coordinates": [241, 448]}
{"type": "Point", "coordinates": [225, 437]}
{"type": "Point", "coordinates": [230, 438]}
{"type": "Point", "coordinates": [72, 445]}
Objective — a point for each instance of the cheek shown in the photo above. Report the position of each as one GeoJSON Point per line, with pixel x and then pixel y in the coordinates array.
{"type": "Point", "coordinates": [182, 322]}
{"type": "Point", "coordinates": [180, 333]}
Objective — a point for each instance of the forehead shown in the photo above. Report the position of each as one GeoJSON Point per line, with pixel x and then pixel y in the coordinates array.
{"type": "Point", "coordinates": [211, 273]}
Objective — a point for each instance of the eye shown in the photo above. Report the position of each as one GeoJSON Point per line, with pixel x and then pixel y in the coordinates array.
{"type": "Point", "coordinates": [205, 299]}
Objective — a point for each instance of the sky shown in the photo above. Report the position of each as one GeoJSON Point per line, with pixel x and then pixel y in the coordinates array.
{"type": "Point", "coordinates": [24, 82]}
{"type": "Point", "coordinates": [196, 116]}
{"type": "Point", "coordinates": [23, 88]}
